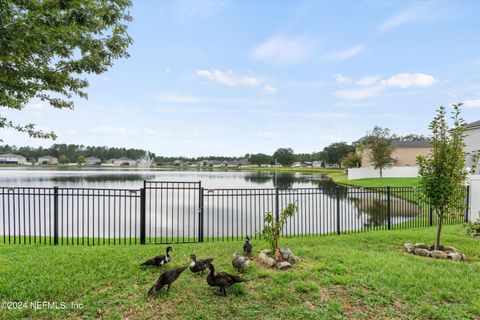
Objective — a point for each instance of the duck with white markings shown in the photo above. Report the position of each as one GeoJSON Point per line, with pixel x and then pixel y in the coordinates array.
{"type": "Point", "coordinates": [165, 279]}
{"type": "Point", "coordinates": [160, 260]}
{"type": "Point", "coordinates": [240, 262]}
{"type": "Point", "coordinates": [222, 280]}
{"type": "Point", "coordinates": [197, 266]}
{"type": "Point", "coordinates": [247, 247]}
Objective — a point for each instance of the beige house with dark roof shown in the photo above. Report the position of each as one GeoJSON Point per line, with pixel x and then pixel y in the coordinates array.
{"type": "Point", "coordinates": [404, 153]}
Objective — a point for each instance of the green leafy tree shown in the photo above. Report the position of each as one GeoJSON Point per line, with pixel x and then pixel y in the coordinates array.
{"type": "Point", "coordinates": [352, 160]}
{"type": "Point", "coordinates": [379, 145]}
{"type": "Point", "coordinates": [46, 47]}
{"type": "Point", "coordinates": [259, 159]}
{"type": "Point", "coordinates": [335, 152]}
{"type": "Point", "coordinates": [442, 174]}
{"type": "Point", "coordinates": [272, 229]}
{"type": "Point", "coordinates": [63, 159]}
{"type": "Point", "coordinates": [81, 160]}
{"type": "Point", "coordinates": [284, 156]}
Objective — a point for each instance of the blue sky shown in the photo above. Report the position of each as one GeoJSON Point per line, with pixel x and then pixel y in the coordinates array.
{"type": "Point", "coordinates": [234, 77]}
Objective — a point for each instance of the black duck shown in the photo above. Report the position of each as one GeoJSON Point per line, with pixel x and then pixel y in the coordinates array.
{"type": "Point", "coordinates": [247, 247]}
{"type": "Point", "coordinates": [222, 280]}
{"type": "Point", "coordinates": [165, 279]}
{"type": "Point", "coordinates": [160, 260]}
{"type": "Point", "coordinates": [197, 266]}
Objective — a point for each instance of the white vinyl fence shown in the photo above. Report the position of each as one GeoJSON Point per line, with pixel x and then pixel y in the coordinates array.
{"type": "Point", "coordinates": [393, 172]}
{"type": "Point", "coordinates": [474, 198]}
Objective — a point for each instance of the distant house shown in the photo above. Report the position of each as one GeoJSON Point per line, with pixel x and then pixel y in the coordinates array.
{"type": "Point", "coordinates": [93, 161]}
{"type": "Point", "coordinates": [404, 153]}
{"type": "Point", "coordinates": [178, 163]}
{"type": "Point", "coordinates": [297, 164]}
{"type": "Point", "coordinates": [124, 161]}
{"type": "Point", "coordinates": [11, 158]}
{"type": "Point", "coordinates": [47, 160]}
{"type": "Point", "coordinates": [472, 142]}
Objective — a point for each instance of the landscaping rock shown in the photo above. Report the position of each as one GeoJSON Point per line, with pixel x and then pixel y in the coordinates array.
{"type": "Point", "coordinates": [421, 252]}
{"type": "Point", "coordinates": [440, 247]}
{"type": "Point", "coordinates": [449, 249]}
{"type": "Point", "coordinates": [455, 256]}
{"type": "Point", "coordinates": [294, 259]}
{"type": "Point", "coordinates": [286, 253]}
{"type": "Point", "coordinates": [437, 254]}
{"type": "Point", "coordinates": [408, 247]}
{"type": "Point", "coordinates": [283, 265]}
{"type": "Point", "coordinates": [421, 246]}
{"type": "Point", "coordinates": [265, 259]}
{"type": "Point", "coordinates": [464, 258]}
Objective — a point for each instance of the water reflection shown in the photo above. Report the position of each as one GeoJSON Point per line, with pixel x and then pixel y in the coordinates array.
{"type": "Point", "coordinates": [287, 180]}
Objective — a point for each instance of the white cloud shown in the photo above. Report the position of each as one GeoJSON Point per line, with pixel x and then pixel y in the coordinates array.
{"type": "Point", "coordinates": [403, 18]}
{"type": "Point", "coordinates": [407, 80]}
{"type": "Point", "coordinates": [228, 78]}
{"type": "Point", "coordinates": [36, 107]}
{"type": "Point", "coordinates": [283, 50]}
{"type": "Point", "coordinates": [372, 85]}
{"type": "Point", "coordinates": [269, 89]}
{"type": "Point", "coordinates": [343, 54]}
{"type": "Point", "coordinates": [367, 81]}
{"type": "Point", "coordinates": [473, 103]}
{"type": "Point", "coordinates": [168, 70]}
{"type": "Point", "coordinates": [340, 78]}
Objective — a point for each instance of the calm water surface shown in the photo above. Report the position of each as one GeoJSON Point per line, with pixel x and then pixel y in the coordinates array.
{"type": "Point", "coordinates": [133, 178]}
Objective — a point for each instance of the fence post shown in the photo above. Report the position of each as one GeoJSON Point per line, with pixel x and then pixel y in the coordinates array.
{"type": "Point", "coordinates": [55, 215]}
{"type": "Point", "coordinates": [277, 206]}
{"type": "Point", "coordinates": [143, 214]}
{"type": "Point", "coordinates": [338, 210]}
{"type": "Point", "coordinates": [200, 212]}
{"type": "Point", "coordinates": [389, 209]}
{"type": "Point", "coordinates": [430, 221]}
{"type": "Point", "coordinates": [467, 202]}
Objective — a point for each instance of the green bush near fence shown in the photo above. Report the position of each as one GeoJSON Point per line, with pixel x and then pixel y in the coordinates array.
{"type": "Point", "coordinates": [362, 276]}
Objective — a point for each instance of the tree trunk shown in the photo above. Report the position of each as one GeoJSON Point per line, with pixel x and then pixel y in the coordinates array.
{"type": "Point", "coordinates": [381, 173]}
{"type": "Point", "coordinates": [439, 231]}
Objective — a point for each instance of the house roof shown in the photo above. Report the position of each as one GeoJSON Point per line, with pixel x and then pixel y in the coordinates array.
{"type": "Point", "coordinates": [412, 144]}
{"type": "Point", "coordinates": [473, 125]}
{"type": "Point", "coordinates": [124, 159]}
{"type": "Point", "coordinates": [47, 156]}
{"type": "Point", "coordinates": [11, 155]}
{"type": "Point", "coordinates": [92, 158]}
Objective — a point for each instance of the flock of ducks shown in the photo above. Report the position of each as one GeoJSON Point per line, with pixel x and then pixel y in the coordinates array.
{"type": "Point", "coordinates": [222, 280]}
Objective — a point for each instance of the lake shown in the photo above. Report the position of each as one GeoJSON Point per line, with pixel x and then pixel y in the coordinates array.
{"type": "Point", "coordinates": [133, 178]}
{"type": "Point", "coordinates": [234, 204]}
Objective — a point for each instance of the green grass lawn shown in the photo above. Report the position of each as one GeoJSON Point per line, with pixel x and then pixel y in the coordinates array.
{"type": "Point", "coordinates": [356, 276]}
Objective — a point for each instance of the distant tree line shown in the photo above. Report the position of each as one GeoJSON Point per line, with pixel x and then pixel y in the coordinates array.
{"type": "Point", "coordinates": [341, 154]}
{"type": "Point", "coordinates": [72, 153]}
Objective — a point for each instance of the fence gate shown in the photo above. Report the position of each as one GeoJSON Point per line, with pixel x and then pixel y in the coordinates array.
{"type": "Point", "coordinates": [173, 212]}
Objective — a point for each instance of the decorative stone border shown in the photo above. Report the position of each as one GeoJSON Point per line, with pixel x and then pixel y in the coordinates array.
{"type": "Point", "coordinates": [265, 258]}
{"type": "Point", "coordinates": [422, 249]}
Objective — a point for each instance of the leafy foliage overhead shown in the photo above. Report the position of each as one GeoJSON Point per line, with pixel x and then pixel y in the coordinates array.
{"type": "Point", "coordinates": [46, 47]}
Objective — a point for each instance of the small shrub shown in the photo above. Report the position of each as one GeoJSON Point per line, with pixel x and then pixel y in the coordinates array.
{"type": "Point", "coordinates": [272, 230]}
{"type": "Point", "coordinates": [473, 227]}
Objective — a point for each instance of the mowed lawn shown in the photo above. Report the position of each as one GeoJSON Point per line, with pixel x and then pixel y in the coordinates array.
{"type": "Point", "coordinates": [356, 276]}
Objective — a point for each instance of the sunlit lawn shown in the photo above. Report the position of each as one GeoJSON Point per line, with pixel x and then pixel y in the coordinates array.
{"type": "Point", "coordinates": [356, 276]}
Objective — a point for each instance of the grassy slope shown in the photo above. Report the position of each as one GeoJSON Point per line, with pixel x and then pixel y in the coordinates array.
{"type": "Point", "coordinates": [348, 276]}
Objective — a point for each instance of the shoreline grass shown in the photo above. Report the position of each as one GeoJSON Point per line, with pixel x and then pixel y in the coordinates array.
{"type": "Point", "coordinates": [350, 276]}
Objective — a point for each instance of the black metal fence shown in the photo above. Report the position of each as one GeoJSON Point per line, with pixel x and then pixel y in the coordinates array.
{"type": "Point", "coordinates": [167, 212]}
